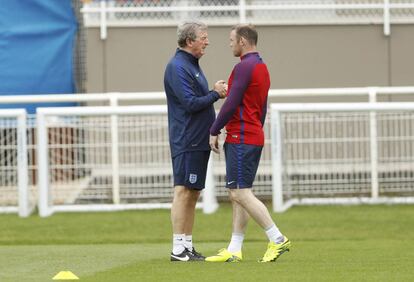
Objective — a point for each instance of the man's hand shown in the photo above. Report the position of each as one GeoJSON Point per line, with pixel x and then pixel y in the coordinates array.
{"type": "Point", "coordinates": [221, 88]}
{"type": "Point", "coordinates": [214, 144]}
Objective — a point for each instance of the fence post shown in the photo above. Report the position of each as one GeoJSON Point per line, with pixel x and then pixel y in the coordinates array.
{"type": "Point", "coordinates": [210, 204]}
{"type": "Point", "coordinates": [103, 20]}
{"type": "Point", "coordinates": [43, 165]}
{"type": "Point", "coordinates": [276, 148]}
{"type": "Point", "coordinates": [115, 153]}
{"type": "Point", "coordinates": [242, 11]}
{"type": "Point", "coordinates": [22, 165]}
{"type": "Point", "coordinates": [387, 19]}
{"type": "Point", "coordinates": [373, 144]}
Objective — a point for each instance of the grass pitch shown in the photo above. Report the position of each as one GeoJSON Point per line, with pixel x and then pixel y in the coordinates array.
{"type": "Point", "coordinates": [330, 243]}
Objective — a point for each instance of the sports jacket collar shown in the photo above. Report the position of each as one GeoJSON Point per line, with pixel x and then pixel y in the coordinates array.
{"type": "Point", "coordinates": [187, 55]}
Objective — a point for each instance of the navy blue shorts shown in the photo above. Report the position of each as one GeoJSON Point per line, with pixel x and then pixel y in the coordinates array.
{"type": "Point", "coordinates": [190, 169]}
{"type": "Point", "coordinates": [242, 161]}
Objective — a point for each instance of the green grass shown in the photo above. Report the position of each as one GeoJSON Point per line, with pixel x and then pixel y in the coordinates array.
{"type": "Point", "coordinates": [330, 243]}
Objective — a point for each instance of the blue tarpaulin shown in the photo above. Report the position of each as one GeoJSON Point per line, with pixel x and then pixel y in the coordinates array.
{"type": "Point", "coordinates": [37, 40]}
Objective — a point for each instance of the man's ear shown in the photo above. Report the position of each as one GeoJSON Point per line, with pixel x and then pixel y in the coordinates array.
{"type": "Point", "coordinates": [189, 42]}
{"type": "Point", "coordinates": [242, 41]}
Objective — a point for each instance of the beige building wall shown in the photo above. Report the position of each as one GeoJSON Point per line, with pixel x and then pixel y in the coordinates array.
{"type": "Point", "coordinates": [133, 59]}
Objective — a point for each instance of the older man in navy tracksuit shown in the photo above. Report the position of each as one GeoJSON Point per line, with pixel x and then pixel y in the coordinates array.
{"type": "Point", "coordinates": [190, 116]}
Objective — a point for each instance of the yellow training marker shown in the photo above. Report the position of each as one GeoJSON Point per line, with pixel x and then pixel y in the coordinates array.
{"type": "Point", "coordinates": [65, 275]}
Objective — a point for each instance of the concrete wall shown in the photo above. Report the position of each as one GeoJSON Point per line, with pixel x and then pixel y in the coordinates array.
{"type": "Point", "coordinates": [133, 59]}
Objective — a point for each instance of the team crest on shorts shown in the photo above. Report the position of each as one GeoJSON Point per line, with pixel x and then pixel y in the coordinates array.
{"type": "Point", "coordinates": [192, 178]}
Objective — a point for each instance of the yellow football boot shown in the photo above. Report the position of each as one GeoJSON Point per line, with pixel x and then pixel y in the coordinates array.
{"type": "Point", "coordinates": [225, 256]}
{"type": "Point", "coordinates": [274, 251]}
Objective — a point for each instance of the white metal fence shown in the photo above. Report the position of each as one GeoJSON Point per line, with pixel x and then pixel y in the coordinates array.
{"type": "Point", "coordinates": [81, 170]}
{"type": "Point", "coordinates": [14, 193]}
{"type": "Point", "coordinates": [90, 157]}
{"type": "Point", "coordinates": [342, 153]}
{"type": "Point", "coordinates": [228, 12]}
{"type": "Point", "coordinates": [106, 158]}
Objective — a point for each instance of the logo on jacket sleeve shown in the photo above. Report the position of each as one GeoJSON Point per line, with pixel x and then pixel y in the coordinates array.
{"type": "Point", "coordinates": [192, 178]}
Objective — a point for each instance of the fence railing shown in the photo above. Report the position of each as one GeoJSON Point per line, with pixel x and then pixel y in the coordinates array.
{"type": "Point", "coordinates": [110, 144]}
{"type": "Point", "coordinates": [115, 98]}
{"type": "Point", "coordinates": [70, 137]}
{"type": "Point", "coordinates": [125, 148]}
{"type": "Point", "coordinates": [334, 153]}
{"type": "Point", "coordinates": [13, 162]}
{"type": "Point", "coordinates": [167, 12]}
{"type": "Point", "coordinates": [112, 99]}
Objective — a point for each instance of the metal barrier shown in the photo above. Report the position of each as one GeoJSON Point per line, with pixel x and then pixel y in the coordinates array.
{"type": "Point", "coordinates": [65, 153]}
{"type": "Point", "coordinates": [115, 98]}
{"type": "Point", "coordinates": [335, 153]}
{"type": "Point", "coordinates": [13, 163]}
{"type": "Point", "coordinates": [115, 158]}
{"type": "Point", "coordinates": [228, 12]}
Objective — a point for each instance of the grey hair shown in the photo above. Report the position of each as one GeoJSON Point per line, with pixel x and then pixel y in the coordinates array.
{"type": "Point", "coordinates": [188, 30]}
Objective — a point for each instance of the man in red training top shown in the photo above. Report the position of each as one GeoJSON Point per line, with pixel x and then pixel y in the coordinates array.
{"type": "Point", "coordinates": [243, 114]}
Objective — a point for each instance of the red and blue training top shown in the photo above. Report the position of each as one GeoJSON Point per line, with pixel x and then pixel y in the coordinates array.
{"type": "Point", "coordinates": [244, 111]}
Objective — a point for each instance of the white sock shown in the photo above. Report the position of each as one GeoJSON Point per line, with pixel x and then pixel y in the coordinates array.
{"type": "Point", "coordinates": [236, 242]}
{"type": "Point", "coordinates": [178, 243]}
{"type": "Point", "coordinates": [274, 234]}
{"type": "Point", "coordinates": [188, 242]}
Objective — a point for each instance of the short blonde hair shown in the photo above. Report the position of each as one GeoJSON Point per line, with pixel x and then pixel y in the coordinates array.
{"type": "Point", "coordinates": [247, 31]}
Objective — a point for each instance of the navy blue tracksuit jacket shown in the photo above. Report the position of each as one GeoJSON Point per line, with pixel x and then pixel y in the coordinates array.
{"type": "Point", "coordinates": [190, 104]}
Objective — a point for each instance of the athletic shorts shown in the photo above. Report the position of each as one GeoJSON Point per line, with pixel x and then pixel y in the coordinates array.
{"type": "Point", "coordinates": [190, 169]}
{"type": "Point", "coordinates": [242, 161]}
